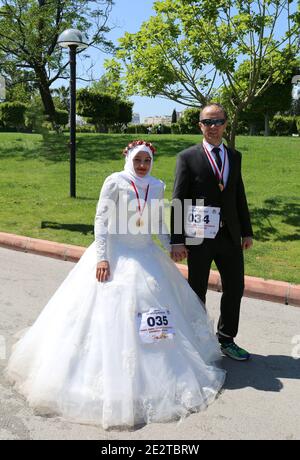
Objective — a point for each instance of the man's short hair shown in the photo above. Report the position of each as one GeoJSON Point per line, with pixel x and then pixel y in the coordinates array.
{"type": "Point", "coordinates": [215, 104]}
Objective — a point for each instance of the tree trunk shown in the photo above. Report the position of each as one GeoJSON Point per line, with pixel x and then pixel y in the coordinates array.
{"type": "Point", "coordinates": [252, 129]}
{"type": "Point", "coordinates": [232, 132]}
{"type": "Point", "coordinates": [267, 124]}
{"type": "Point", "coordinates": [44, 88]}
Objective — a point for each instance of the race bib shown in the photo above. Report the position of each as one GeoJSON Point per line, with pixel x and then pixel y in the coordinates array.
{"type": "Point", "coordinates": [202, 222]}
{"type": "Point", "coordinates": [155, 326]}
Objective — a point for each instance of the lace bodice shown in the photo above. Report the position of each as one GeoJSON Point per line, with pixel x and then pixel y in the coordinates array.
{"type": "Point", "coordinates": [117, 215]}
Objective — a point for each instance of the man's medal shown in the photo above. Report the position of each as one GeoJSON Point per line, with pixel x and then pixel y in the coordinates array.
{"type": "Point", "coordinates": [219, 174]}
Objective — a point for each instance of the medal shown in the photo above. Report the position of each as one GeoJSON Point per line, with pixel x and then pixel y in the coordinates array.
{"type": "Point", "coordinates": [219, 174]}
{"type": "Point", "coordinates": [140, 222]}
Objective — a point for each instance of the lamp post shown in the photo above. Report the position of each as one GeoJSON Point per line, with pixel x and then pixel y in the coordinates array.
{"type": "Point", "coordinates": [72, 39]}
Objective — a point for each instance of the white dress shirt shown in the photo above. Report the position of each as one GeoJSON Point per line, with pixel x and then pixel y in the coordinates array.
{"type": "Point", "coordinates": [223, 155]}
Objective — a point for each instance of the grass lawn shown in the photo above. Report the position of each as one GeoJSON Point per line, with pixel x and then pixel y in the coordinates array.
{"type": "Point", "coordinates": [34, 190]}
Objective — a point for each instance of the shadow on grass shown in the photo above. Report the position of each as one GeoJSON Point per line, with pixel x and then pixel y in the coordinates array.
{"type": "Point", "coordinates": [275, 210]}
{"type": "Point", "coordinates": [96, 148]}
{"type": "Point", "coordinates": [91, 147]}
{"type": "Point", "coordinates": [78, 228]}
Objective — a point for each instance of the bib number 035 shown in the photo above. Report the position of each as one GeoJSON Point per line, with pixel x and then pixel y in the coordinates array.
{"type": "Point", "coordinates": [155, 326]}
{"type": "Point", "coordinates": [157, 320]}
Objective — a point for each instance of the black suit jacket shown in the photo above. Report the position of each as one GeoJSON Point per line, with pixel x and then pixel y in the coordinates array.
{"type": "Point", "coordinates": [195, 179]}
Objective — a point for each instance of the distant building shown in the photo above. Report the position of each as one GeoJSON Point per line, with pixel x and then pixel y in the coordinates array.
{"type": "Point", "coordinates": [161, 120]}
{"type": "Point", "coordinates": [136, 119]}
{"type": "Point", "coordinates": [158, 120]}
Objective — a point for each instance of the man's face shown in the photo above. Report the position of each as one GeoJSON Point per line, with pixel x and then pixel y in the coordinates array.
{"type": "Point", "coordinates": [213, 134]}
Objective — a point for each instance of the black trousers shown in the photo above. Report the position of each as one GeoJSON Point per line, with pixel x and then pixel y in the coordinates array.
{"type": "Point", "coordinates": [229, 260]}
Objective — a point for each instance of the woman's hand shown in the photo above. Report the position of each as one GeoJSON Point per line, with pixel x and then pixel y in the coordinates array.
{"type": "Point", "coordinates": [103, 271]}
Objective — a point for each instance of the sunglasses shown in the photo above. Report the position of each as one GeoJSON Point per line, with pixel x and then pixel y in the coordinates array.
{"type": "Point", "coordinates": [213, 121]}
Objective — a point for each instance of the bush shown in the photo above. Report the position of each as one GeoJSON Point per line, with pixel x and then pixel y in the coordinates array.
{"type": "Point", "coordinates": [85, 128]}
{"type": "Point", "coordinates": [189, 122]}
{"type": "Point", "coordinates": [137, 129]}
{"type": "Point", "coordinates": [12, 115]}
{"type": "Point", "coordinates": [61, 117]}
{"type": "Point", "coordinates": [243, 128]}
{"type": "Point", "coordinates": [175, 128]}
{"type": "Point", "coordinates": [283, 125]}
{"type": "Point", "coordinates": [35, 118]}
{"type": "Point", "coordinates": [116, 129]}
{"type": "Point", "coordinates": [161, 129]}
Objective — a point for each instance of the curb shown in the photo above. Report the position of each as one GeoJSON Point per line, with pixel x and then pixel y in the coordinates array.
{"type": "Point", "coordinates": [258, 288]}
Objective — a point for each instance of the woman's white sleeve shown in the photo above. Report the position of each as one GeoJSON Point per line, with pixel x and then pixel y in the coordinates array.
{"type": "Point", "coordinates": [105, 208]}
{"type": "Point", "coordinates": [163, 234]}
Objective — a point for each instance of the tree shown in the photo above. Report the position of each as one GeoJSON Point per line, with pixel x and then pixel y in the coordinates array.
{"type": "Point", "coordinates": [111, 85]}
{"type": "Point", "coordinates": [63, 97]}
{"type": "Point", "coordinates": [189, 122]}
{"type": "Point", "coordinates": [174, 116]}
{"type": "Point", "coordinates": [111, 81]}
{"type": "Point", "coordinates": [103, 110]}
{"type": "Point", "coordinates": [189, 49]}
{"type": "Point", "coordinates": [276, 98]}
{"type": "Point", "coordinates": [12, 115]}
{"type": "Point", "coordinates": [125, 112]}
{"type": "Point", "coordinates": [20, 86]}
{"type": "Point", "coordinates": [28, 37]}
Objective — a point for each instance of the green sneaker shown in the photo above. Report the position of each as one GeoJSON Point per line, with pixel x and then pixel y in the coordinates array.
{"type": "Point", "coordinates": [234, 351]}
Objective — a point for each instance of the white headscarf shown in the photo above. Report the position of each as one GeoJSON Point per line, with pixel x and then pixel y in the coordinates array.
{"type": "Point", "coordinates": [129, 172]}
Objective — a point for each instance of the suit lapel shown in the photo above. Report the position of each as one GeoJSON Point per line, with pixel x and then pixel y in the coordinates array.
{"type": "Point", "coordinates": [231, 161]}
{"type": "Point", "coordinates": [206, 163]}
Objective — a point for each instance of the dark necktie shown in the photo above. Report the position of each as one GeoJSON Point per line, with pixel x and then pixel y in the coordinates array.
{"type": "Point", "coordinates": [216, 151]}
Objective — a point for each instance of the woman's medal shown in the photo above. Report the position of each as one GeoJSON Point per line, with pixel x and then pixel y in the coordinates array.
{"type": "Point", "coordinates": [140, 222]}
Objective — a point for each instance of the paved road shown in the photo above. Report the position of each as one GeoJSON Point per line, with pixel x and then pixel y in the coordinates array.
{"type": "Point", "coordinates": [260, 398]}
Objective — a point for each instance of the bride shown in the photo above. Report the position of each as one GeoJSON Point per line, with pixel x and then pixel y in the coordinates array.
{"type": "Point", "coordinates": [133, 344]}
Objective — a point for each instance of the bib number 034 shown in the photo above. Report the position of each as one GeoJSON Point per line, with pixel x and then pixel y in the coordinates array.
{"type": "Point", "coordinates": [202, 221]}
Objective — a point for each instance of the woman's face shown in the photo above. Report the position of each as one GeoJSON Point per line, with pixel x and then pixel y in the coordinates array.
{"type": "Point", "coordinates": [142, 163]}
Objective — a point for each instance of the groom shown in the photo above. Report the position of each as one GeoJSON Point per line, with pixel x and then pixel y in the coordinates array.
{"type": "Point", "coordinates": [212, 172]}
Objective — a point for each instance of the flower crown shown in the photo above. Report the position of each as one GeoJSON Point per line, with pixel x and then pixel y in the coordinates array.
{"type": "Point", "coordinates": [134, 144]}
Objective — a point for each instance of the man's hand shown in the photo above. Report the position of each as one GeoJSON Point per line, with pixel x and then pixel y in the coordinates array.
{"type": "Point", "coordinates": [178, 252]}
{"type": "Point", "coordinates": [247, 242]}
{"type": "Point", "coordinates": [103, 271]}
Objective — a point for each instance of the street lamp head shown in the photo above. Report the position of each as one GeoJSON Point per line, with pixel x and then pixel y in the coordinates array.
{"type": "Point", "coordinates": [73, 37]}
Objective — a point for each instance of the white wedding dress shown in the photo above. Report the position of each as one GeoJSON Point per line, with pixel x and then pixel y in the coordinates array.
{"type": "Point", "coordinates": [84, 359]}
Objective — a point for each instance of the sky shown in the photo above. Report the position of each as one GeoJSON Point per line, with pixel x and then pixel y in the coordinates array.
{"type": "Point", "coordinates": [127, 16]}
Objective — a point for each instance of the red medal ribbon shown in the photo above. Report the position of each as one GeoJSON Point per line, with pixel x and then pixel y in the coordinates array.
{"type": "Point", "coordinates": [138, 197]}
{"type": "Point", "coordinates": [219, 174]}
